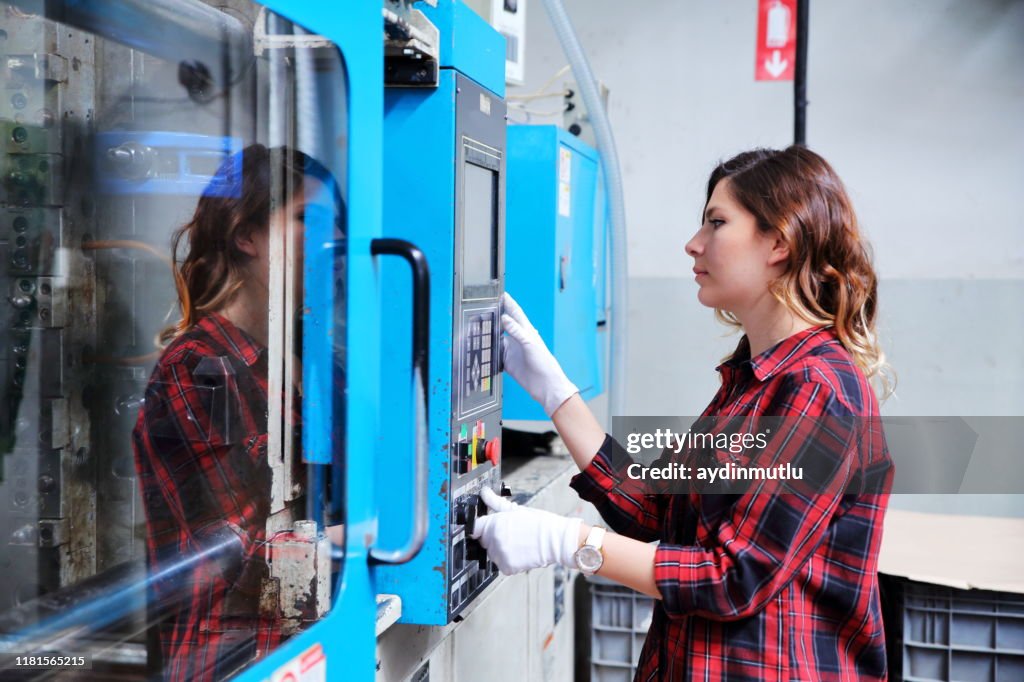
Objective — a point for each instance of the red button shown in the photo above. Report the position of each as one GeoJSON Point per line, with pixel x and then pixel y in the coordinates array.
{"type": "Point", "coordinates": [493, 451]}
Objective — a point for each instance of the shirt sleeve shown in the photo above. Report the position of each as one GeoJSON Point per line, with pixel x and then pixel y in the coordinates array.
{"type": "Point", "coordinates": [761, 541]}
{"type": "Point", "coordinates": [626, 506]}
{"type": "Point", "coordinates": [210, 479]}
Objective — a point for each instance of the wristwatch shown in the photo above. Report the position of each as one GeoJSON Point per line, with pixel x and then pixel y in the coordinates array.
{"type": "Point", "coordinates": [589, 558]}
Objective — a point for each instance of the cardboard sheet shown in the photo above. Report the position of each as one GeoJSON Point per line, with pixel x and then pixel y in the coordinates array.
{"type": "Point", "coordinates": [966, 552]}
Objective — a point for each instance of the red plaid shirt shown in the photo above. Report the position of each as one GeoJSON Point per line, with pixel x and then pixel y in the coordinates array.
{"type": "Point", "coordinates": [761, 586]}
{"type": "Point", "coordinates": [201, 454]}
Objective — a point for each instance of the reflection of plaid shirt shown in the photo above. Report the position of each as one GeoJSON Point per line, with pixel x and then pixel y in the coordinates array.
{"type": "Point", "coordinates": [761, 586]}
{"type": "Point", "coordinates": [201, 456]}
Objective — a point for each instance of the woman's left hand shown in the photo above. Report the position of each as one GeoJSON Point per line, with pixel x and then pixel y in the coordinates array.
{"type": "Point", "coordinates": [519, 538]}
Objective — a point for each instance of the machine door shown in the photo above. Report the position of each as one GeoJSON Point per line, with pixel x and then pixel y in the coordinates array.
{"type": "Point", "coordinates": [174, 261]}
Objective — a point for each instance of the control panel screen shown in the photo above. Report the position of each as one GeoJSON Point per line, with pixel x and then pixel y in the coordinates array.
{"type": "Point", "coordinates": [479, 226]}
{"type": "Point", "coordinates": [477, 356]}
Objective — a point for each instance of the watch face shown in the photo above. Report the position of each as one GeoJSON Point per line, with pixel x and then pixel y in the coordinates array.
{"type": "Point", "coordinates": [589, 558]}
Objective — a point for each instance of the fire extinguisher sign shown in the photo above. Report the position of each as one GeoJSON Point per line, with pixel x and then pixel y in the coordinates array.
{"type": "Point", "coordinates": [776, 40]}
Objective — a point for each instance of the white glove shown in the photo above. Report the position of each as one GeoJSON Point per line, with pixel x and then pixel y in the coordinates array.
{"type": "Point", "coordinates": [530, 362]}
{"type": "Point", "coordinates": [519, 538]}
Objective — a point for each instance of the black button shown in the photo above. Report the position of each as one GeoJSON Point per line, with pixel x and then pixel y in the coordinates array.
{"type": "Point", "coordinates": [458, 556]}
{"type": "Point", "coordinates": [462, 458]}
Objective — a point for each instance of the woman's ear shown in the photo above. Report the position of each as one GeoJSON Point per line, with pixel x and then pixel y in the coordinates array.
{"type": "Point", "coordinates": [779, 253]}
{"type": "Point", "coordinates": [245, 243]}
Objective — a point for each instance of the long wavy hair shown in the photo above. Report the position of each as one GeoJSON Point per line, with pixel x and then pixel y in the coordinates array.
{"type": "Point", "coordinates": [238, 201]}
{"type": "Point", "coordinates": [830, 278]}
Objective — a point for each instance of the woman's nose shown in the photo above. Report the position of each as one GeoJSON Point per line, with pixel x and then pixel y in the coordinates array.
{"type": "Point", "coordinates": [695, 246]}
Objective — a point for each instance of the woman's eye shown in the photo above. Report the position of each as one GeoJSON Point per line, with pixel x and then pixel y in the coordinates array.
{"type": "Point", "coordinates": [716, 223]}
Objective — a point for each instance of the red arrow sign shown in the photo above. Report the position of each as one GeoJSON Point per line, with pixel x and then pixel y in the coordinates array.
{"type": "Point", "coordinates": [776, 40]}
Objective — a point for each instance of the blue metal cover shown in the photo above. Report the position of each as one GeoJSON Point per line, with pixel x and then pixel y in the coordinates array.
{"type": "Point", "coordinates": [422, 582]}
{"type": "Point", "coordinates": [554, 257]}
{"type": "Point", "coordinates": [186, 150]}
{"type": "Point", "coordinates": [469, 44]}
{"type": "Point", "coordinates": [346, 636]}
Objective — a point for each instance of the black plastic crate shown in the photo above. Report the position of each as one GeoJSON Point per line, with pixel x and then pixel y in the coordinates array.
{"type": "Point", "coordinates": [951, 635]}
{"type": "Point", "coordinates": [620, 619]}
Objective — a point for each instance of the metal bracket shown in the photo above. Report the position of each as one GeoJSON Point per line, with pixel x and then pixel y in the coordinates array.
{"type": "Point", "coordinates": [263, 41]}
{"type": "Point", "coordinates": [52, 532]}
{"type": "Point", "coordinates": [39, 66]}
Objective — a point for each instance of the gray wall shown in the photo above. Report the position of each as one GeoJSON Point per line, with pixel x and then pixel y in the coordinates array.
{"type": "Point", "coordinates": [919, 106]}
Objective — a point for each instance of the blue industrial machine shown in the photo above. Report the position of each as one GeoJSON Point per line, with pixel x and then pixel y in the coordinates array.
{"type": "Point", "coordinates": [555, 263]}
{"type": "Point", "coordinates": [116, 115]}
{"type": "Point", "coordinates": [444, 166]}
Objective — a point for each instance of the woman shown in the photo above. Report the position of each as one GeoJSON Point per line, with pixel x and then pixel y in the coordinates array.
{"type": "Point", "coordinates": [201, 439]}
{"type": "Point", "coordinates": [751, 586]}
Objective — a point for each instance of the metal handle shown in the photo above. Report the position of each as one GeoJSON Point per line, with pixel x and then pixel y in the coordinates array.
{"type": "Point", "coordinates": [420, 371]}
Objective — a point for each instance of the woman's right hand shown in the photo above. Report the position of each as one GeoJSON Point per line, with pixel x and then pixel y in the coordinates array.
{"type": "Point", "coordinates": [529, 361]}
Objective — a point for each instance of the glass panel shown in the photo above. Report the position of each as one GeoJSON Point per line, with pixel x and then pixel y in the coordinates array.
{"type": "Point", "coordinates": [480, 226]}
{"type": "Point", "coordinates": [166, 167]}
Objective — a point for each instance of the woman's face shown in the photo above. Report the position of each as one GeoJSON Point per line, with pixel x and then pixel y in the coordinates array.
{"type": "Point", "coordinates": [734, 261]}
{"type": "Point", "coordinates": [287, 229]}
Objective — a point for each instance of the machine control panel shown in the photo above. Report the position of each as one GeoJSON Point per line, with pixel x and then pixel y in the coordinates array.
{"type": "Point", "coordinates": [475, 452]}
{"type": "Point", "coordinates": [474, 447]}
{"type": "Point", "coordinates": [470, 568]}
{"type": "Point", "coordinates": [477, 358]}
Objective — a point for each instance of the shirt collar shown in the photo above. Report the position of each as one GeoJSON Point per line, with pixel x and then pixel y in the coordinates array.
{"type": "Point", "coordinates": [778, 357]}
{"type": "Point", "coordinates": [241, 345]}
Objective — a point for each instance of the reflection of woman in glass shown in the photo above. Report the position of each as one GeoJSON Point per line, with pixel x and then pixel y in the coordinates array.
{"type": "Point", "coordinates": [754, 585]}
{"type": "Point", "coordinates": [201, 437]}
